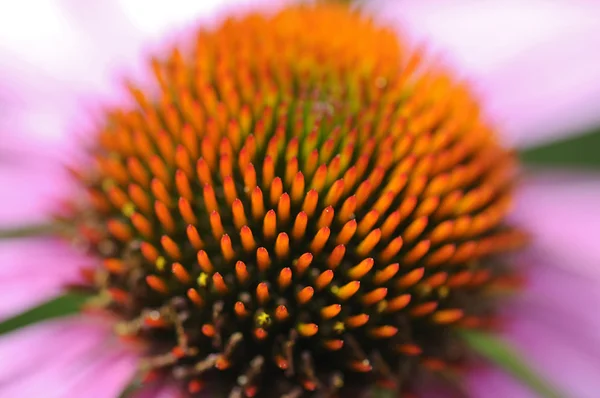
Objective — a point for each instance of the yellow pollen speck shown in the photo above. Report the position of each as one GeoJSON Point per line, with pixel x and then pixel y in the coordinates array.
{"type": "Point", "coordinates": [339, 327]}
{"type": "Point", "coordinates": [160, 263]}
{"type": "Point", "coordinates": [202, 279]}
{"type": "Point", "coordinates": [381, 306]}
{"type": "Point", "coordinates": [128, 209]}
{"type": "Point", "coordinates": [263, 319]}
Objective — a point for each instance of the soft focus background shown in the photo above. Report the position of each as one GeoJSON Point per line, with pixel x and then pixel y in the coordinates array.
{"type": "Point", "coordinates": [535, 65]}
{"type": "Point", "coordinates": [525, 53]}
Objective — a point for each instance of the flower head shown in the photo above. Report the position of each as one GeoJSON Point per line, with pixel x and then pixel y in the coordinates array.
{"type": "Point", "coordinates": [299, 204]}
{"type": "Point", "coordinates": [305, 199]}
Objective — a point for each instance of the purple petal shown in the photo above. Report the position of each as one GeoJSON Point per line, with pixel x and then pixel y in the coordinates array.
{"type": "Point", "coordinates": [50, 66]}
{"type": "Point", "coordinates": [66, 358]}
{"type": "Point", "coordinates": [491, 382]}
{"type": "Point", "coordinates": [560, 211]}
{"type": "Point", "coordinates": [36, 188]}
{"type": "Point", "coordinates": [158, 18]}
{"type": "Point", "coordinates": [553, 325]}
{"type": "Point", "coordinates": [42, 60]}
{"type": "Point", "coordinates": [556, 341]}
{"type": "Point", "coordinates": [534, 62]}
{"type": "Point", "coordinates": [58, 69]}
{"type": "Point", "coordinates": [554, 322]}
{"type": "Point", "coordinates": [35, 270]}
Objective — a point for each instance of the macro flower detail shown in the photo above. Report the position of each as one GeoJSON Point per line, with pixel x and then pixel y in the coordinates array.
{"type": "Point", "coordinates": [304, 203]}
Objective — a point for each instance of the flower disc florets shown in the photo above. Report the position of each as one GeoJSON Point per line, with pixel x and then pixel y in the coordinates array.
{"type": "Point", "coordinates": [305, 202]}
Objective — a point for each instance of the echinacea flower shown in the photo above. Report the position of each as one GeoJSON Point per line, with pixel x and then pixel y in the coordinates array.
{"type": "Point", "coordinates": [299, 202]}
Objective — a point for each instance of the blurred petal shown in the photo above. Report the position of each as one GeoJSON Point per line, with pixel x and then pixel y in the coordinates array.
{"type": "Point", "coordinates": [554, 322]}
{"type": "Point", "coordinates": [81, 51]}
{"type": "Point", "coordinates": [489, 382]}
{"type": "Point", "coordinates": [560, 341]}
{"type": "Point", "coordinates": [155, 19]}
{"type": "Point", "coordinates": [26, 35]}
{"type": "Point", "coordinates": [564, 302]}
{"type": "Point", "coordinates": [50, 65]}
{"type": "Point", "coordinates": [35, 188]}
{"type": "Point", "coordinates": [560, 210]}
{"type": "Point", "coordinates": [65, 358]}
{"type": "Point", "coordinates": [24, 276]}
{"type": "Point", "coordinates": [535, 62]}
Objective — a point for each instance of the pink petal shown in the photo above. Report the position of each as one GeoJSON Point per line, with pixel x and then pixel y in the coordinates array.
{"type": "Point", "coordinates": [49, 67]}
{"type": "Point", "coordinates": [490, 382]}
{"type": "Point", "coordinates": [39, 78]}
{"type": "Point", "coordinates": [561, 213]}
{"type": "Point", "coordinates": [32, 189]}
{"type": "Point", "coordinates": [561, 298]}
{"type": "Point", "coordinates": [56, 70]}
{"type": "Point", "coordinates": [157, 19]}
{"type": "Point", "coordinates": [554, 322]}
{"type": "Point", "coordinates": [65, 358]}
{"type": "Point", "coordinates": [35, 270]}
{"type": "Point", "coordinates": [557, 340]}
{"type": "Point", "coordinates": [534, 62]}
{"type": "Point", "coordinates": [554, 327]}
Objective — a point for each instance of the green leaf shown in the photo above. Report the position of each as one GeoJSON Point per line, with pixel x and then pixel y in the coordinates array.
{"type": "Point", "coordinates": [28, 231]}
{"type": "Point", "coordinates": [506, 357]}
{"type": "Point", "coordinates": [61, 306]}
{"type": "Point", "coordinates": [580, 151]}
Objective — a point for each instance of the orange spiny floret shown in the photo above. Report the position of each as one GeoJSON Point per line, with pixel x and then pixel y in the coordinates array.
{"type": "Point", "coordinates": [298, 190]}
